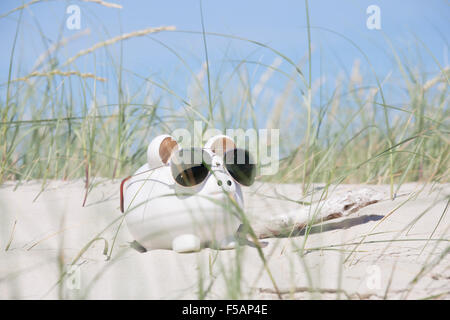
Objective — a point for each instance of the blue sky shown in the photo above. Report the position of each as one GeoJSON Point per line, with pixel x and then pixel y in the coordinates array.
{"type": "Point", "coordinates": [280, 24]}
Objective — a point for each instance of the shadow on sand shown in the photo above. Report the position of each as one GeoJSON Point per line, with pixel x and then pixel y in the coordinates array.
{"type": "Point", "coordinates": [330, 226]}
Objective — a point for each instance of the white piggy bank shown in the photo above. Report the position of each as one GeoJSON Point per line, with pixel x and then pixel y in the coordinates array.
{"type": "Point", "coordinates": [185, 199]}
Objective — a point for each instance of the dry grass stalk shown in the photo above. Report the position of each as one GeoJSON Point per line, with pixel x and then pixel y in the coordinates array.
{"type": "Point", "coordinates": [60, 73]}
{"type": "Point", "coordinates": [440, 78]}
{"type": "Point", "coordinates": [105, 4]}
{"type": "Point", "coordinates": [58, 45]}
{"type": "Point", "coordinates": [20, 8]}
{"type": "Point", "coordinates": [122, 37]}
{"type": "Point", "coordinates": [26, 5]}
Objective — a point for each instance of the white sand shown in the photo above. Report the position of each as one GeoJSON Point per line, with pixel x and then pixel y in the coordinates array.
{"type": "Point", "coordinates": [50, 232]}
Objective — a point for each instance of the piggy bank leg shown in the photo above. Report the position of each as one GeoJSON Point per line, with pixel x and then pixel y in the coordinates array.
{"type": "Point", "coordinates": [228, 243]}
{"type": "Point", "coordinates": [186, 243]}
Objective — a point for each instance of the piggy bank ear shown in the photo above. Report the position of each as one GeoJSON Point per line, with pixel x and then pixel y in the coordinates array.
{"type": "Point", "coordinates": [160, 150]}
{"type": "Point", "coordinates": [220, 144]}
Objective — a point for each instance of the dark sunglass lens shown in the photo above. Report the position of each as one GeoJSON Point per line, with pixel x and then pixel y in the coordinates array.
{"type": "Point", "coordinates": [190, 167]}
{"type": "Point", "coordinates": [241, 166]}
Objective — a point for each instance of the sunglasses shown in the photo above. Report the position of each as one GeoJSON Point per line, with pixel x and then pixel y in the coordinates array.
{"type": "Point", "coordinates": [191, 167]}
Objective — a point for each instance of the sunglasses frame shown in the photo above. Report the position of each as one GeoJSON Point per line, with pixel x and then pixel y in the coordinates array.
{"type": "Point", "coordinates": [170, 163]}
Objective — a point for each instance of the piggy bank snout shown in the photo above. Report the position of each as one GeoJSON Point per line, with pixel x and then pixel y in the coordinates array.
{"type": "Point", "coordinates": [224, 181]}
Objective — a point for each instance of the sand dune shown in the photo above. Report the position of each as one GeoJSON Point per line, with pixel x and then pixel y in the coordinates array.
{"type": "Point", "coordinates": [374, 253]}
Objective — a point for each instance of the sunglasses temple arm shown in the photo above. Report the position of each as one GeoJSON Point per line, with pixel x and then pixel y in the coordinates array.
{"type": "Point", "coordinates": [121, 193]}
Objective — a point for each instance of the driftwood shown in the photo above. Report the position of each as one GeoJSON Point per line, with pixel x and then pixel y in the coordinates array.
{"type": "Point", "coordinates": [336, 206]}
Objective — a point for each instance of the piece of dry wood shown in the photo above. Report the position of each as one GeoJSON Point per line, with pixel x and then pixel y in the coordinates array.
{"type": "Point", "coordinates": [337, 205]}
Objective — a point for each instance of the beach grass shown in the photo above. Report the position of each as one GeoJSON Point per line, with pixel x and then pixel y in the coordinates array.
{"type": "Point", "coordinates": [60, 121]}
